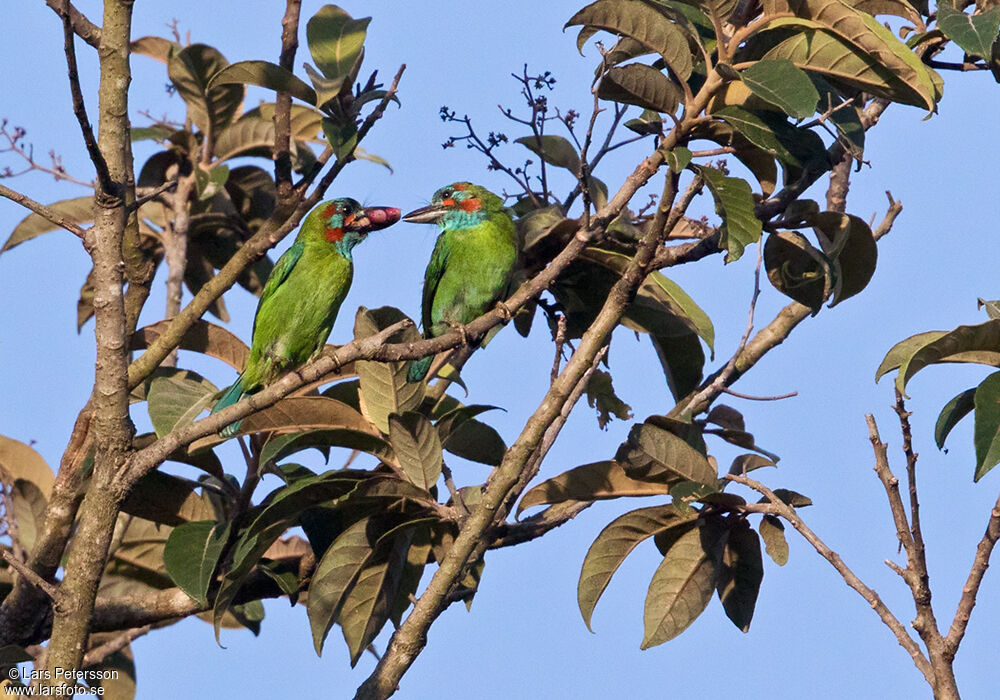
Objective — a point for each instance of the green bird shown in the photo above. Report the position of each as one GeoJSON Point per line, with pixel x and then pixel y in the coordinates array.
{"type": "Point", "coordinates": [303, 294]}
{"type": "Point", "coordinates": [472, 262]}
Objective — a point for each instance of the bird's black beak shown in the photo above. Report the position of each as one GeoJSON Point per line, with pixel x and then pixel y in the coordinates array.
{"type": "Point", "coordinates": [426, 215]}
{"type": "Point", "coordinates": [372, 219]}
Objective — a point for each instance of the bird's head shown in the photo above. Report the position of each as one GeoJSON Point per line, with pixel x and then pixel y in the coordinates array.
{"type": "Point", "coordinates": [459, 205]}
{"type": "Point", "coordinates": [345, 223]}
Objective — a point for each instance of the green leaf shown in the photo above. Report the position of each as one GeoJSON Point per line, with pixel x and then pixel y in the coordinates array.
{"type": "Point", "coordinates": [670, 291]}
{"type": "Point", "coordinates": [772, 531]}
{"type": "Point", "coordinates": [449, 422]}
{"type": "Point", "coordinates": [601, 395]}
{"type": "Point", "coordinates": [210, 182]}
{"type": "Point", "coordinates": [797, 269]}
{"type": "Point", "coordinates": [191, 555]}
{"type": "Point", "coordinates": [649, 122]}
{"type": "Point", "coordinates": [384, 388]}
{"type": "Point", "coordinates": [986, 435]}
{"type": "Point", "coordinates": [849, 241]}
{"type": "Point", "coordinates": [683, 362]}
{"type": "Point", "coordinates": [265, 75]}
{"type": "Point", "coordinates": [281, 446]}
{"type": "Point", "coordinates": [678, 158]}
{"type": "Point", "coordinates": [734, 203]}
{"type": "Point", "coordinates": [757, 160]}
{"type": "Point", "coordinates": [282, 510]}
{"type": "Point", "coordinates": [210, 107]}
{"type": "Point", "coordinates": [368, 603]}
{"type": "Point", "coordinates": [335, 573]}
{"type": "Point", "coordinates": [683, 583]}
{"type": "Point", "coordinates": [476, 442]}
{"type": "Point", "coordinates": [80, 211]}
{"type": "Point", "coordinates": [740, 575]}
{"type": "Point", "coordinates": [792, 498]}
{"type": "Point", "coordinates": [979, 344]}
{"type": "Point", "coordinates": [655, 454]}
{"type": "Point", "coordinates": [975, 34]}
{"type": "Point", "coordinates": [640, 85]}
{"type": "Point", "coordinates": [642, 22]}
{"type": "Point", "coordinates": [168, 500]}
{"type": "Point", "coordinates": [784, 85]}
{"type": "Point", "coordinates": [904, 349]}
{"type": "Point", "coordinates": [954, 411]}
{"type": "Point", "coordinates": [589, 482]}
{"type": "Point", "coordinates": [177, 398]}
{"type": "Point", "coordinates": [336, 41]}
{"type": "Point", "coordinates": [554, 150]}
{"type": "Point", "coordinates": [748, 462]}
{"type": "Point", "coordinates": [417, 446]}
{"type": "Point", "coordinates": [342, 137]}
{"type": "Point", "coordinates": [615, 543]}
{"type": "Point", "coordinates": [792, 145]}
{"type": "Point", "coordinates": [818, 48]}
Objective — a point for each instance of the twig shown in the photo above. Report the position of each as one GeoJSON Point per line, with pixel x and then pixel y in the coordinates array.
{"type": "Point", "coordinates": [83, 27]}
{"type": "Point", "coordinates": [510, 534]}
{"type": "Point", "coordinates": [718, 384]}
{"type": "Point", "coordinates": [560, 341]}
{"type": "Point", "coordinates": [283, 105]}
{"type": "Point", "coordinates": [980, 563]}
{"type": "Point", "coordinates": [456, 495]}
{"type": "Point", "coordinates": [50, 589]}
{"type": "Point", "coordinates": [751, 397]}
{"type": "Point", "coordinates": [43, 211]}
{"type": "Point", "coordinates": [850, 578]}
{"type": "Point", "coordinates": [99, 653]}
{"type": "Point", "coordinates": [57, 170]}
{"type": "Point", "coordinates": [80, 108]}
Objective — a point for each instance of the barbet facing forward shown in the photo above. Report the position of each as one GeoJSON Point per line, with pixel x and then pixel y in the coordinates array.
{"type": "Point", "coordinates": [472, 262]}
{"type": "Point", "coordinates": [303, 294]}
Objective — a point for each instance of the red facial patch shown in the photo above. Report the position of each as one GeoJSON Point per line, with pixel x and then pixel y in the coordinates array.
{"type": "Point", "coordinates": [329, 211]}
{"type": "Point", "coordinates": [461, 187]}
{"type": "Point", "coordinates": [471, 205]}
{"type": "Point", "coordinates": [448, 202]}
{"type": "Point", "coordinates": [334, 234]}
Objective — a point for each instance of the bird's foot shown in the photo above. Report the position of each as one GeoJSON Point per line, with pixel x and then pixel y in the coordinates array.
{"type": "Point", "coordinates": [504, 311]}
{"type": "Point", "coordinates": [461, 330]}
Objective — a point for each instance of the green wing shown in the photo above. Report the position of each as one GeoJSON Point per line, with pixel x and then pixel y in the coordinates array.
{"type": "Point", "coordinates": [282, 268]}
{"type": "Point", "coordinates": [432, 278]}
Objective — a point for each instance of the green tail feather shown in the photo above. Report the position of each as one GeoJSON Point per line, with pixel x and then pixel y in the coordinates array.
{"type": "Point", "coordinates": [418, 369]}
{"type": "Point", "coordinates": [232, 395]}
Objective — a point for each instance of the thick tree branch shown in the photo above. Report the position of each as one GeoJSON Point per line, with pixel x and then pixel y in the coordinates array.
{"type": "Point", "coordinates": [111, 426]}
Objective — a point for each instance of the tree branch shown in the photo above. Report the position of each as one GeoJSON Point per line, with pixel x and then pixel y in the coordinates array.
{"type": "Point", "coordinates": [43, 211]}
{"type": "Point", "coordinates": [83, 27]}
{"type": "Point", "coordinates": [283, 105]}
{"type": "Point", "coordinates": [850, 578]}
{"type": "Point", "coordinates": [80, 108]}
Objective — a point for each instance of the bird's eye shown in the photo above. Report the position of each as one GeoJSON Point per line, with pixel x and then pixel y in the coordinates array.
{"type": "Point", "coordinates": [446, 194]}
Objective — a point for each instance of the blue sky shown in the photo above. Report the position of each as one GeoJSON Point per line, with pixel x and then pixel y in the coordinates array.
{"type": "Point", "coordinates": [524, 636]}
